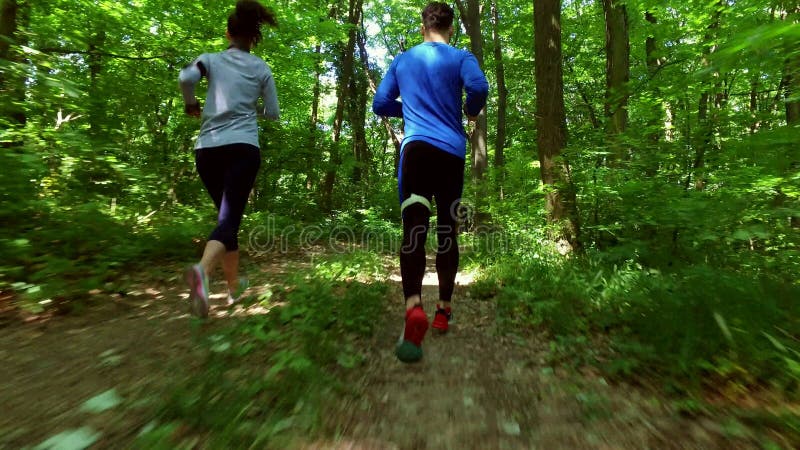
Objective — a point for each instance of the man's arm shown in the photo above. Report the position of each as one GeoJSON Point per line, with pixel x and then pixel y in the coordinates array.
{"type": "Point", "coordinates": [475, 85]}
{"type": "Point", "coordinates": [385, 102]}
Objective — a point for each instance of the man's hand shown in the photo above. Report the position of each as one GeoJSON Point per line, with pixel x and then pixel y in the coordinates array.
{"type": "Point", "coordinates": [193, 109]}
{"type": "Point", "coordinates": [469, 118]}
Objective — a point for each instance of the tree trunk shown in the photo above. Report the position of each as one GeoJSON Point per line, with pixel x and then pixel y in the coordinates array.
{"type": "Point", "coordinates": [502, 91]}
{"type": "Point", "coordinates": [471, 17]}
{"type": "Point", "coordinates": [792, 97]}
{"type": "Point", "coordinates": [396, 136]}
{"type": "Point", "coordinates": [653, 64]}
{"type": "Point", "coordinates": [617, 72]}
{"type": "Point", "coordinates": [357, 110]}
{"type": "Point", "coordinates": [706, 135]}
{"type": "Point", "coordinates": [97, 105]}
{"type": "Point", "coordinates": [793, 90]}
{"type": "Point", "coordinates": [8, 27]}
{"type": "Point", "coordinates": [551, 124]}
{"type": "Point", "coordinates": [311, 177]}
{"type": "Point", "coordinates": [704, 118]}
{"type": "Point", "coordinates": [792, 86]}
{"type": "Point", "coordinates": [754, 115]}
{"type": "Point", "coordinates": [342, 94]}
{"type": "Point", "coordinates": [12, 87]}
{"type": "Point", "coordinates": [655, 122]}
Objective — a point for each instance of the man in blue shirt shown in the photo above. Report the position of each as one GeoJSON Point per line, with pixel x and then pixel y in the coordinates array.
{"type": "Point", "coordinates": [430, 78]}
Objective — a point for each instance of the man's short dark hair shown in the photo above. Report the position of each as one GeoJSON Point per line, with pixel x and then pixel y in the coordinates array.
{"type": "Point", "coordinates": [437, 16]}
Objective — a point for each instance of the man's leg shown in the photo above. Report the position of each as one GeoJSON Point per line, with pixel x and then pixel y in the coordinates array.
{"type": "Point", "coordinates": [450, 184]}
{"type": "Point", "coordinates": [416, 219]}
{"type": "Point", "coordinates": [415, 207]}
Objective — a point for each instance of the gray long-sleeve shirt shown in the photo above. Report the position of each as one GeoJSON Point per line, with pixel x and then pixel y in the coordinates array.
{"type": "Point", "coordinates": [236, 80]}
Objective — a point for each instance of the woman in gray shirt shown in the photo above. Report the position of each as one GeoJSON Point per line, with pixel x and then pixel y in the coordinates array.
{"type": "Point", "coordinates": [227, 153]}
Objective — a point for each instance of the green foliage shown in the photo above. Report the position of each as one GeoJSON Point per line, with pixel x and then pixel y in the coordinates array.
{"type": "Point", "coordinates": [56, 249]}
{"type": "Point", "coordinates": [698, 326]}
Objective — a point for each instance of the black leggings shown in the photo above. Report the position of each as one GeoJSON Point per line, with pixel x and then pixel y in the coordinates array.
{"type": "Point", "coordinates": [427, 172]}
{"type": "Point", "coordinates": [228, 173]}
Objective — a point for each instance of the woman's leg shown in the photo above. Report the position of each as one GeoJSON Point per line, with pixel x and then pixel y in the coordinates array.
{"type": "Point", "coordinates": [239, 180]}
{"type": "Point", "coordinates": [211, 166]}
{"type": "Point", "coordinates": [230, 266]}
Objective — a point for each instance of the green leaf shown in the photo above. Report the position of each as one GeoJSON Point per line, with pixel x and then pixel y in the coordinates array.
{"type": "Point", "coordinates": [75, 439]}
{"type": "Point", "coordinates": [775, 342]}
{"type": "Point", "coordinates": [723, 326]}
{"type": "Point", "coordinates": [102, 402]}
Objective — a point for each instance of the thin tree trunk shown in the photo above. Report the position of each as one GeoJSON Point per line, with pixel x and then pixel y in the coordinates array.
{"type": "Point", "coordinates": [705, 123]}
{"type": "Point", "coordinates": [502, 91]}
{"type": "Point", "coordinates": [656, 125]}
{"type": "Point", "coordinates": [357, 110]}
{"type": "Point", "coordinates": [394, 135]}
{"type": "Point", "coordinates": [314, 119]}
{"type": "Point", "coordinates": [653, 64]}
{"type": "Point", "coordinates": [342, 94]}
{"type": "Point", "coordinates": [792, 93]}
{"type": "Point", "coordinates": [617, 72]}
{"type": "Point", "coordinates": [12, 87]}
{"type": "Point", "coordinates": [471, 17]}
{"type": "Point", "coordinates": [8, 27]}
{"type": "Point", "coordinates": [551, 124]}
{"type": "Point", "coordinates": [792, 89]}
{"type": "Point", "coordinates": [96, 102]}
{"type": "Point", "coordinates": [754, 116]}
{"type": "Point", "coordinates": [706, 135]}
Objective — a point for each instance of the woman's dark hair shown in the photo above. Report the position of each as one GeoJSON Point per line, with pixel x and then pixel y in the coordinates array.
{"type": "Point", "coordinates": [244, 24]}
{"type": "Point", "coordinates": [437, 16]}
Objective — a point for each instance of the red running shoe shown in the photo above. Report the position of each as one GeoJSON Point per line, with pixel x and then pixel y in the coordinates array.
{"type": "Point", "coordinates": [441, 320]}
{"type": "Point", "coordinates": [416, 325]}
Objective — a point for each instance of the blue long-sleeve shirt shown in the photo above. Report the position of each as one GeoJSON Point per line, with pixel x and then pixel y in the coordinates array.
{"type": "Point", "coordinates": [430, 78]}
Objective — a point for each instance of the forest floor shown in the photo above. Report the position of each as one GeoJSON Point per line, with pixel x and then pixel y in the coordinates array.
{"type": "Point", "coordinates": [100, 374]}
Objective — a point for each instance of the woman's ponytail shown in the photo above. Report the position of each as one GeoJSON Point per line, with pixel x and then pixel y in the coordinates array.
{"type": "Point", "coordinates": [244, 24]}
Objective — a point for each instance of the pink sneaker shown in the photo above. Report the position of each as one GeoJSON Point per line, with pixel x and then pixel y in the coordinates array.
{"type": "Point", "coordinates": [195, 277]}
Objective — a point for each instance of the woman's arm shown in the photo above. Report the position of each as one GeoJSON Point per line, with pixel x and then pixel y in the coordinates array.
{"type": "Point", "coordinates": [269, 94]}
{"type": "Point", "coordinates": [188, 78]}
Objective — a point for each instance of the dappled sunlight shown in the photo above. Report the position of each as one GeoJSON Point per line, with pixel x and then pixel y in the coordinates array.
{"type": "Point", "coordinates": [463, 278]}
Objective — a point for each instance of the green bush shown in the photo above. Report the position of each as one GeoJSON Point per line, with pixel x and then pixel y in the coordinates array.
{"type": "Point", "coordinates": [692, 326]}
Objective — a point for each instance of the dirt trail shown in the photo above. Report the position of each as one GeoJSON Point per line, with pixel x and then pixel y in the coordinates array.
{"type": "Point", "coordinates": [477, 388]}
{"type": "Point", "coordinates": [137, 344]}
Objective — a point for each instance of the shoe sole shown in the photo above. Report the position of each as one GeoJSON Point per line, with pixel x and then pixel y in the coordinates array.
{"type": "Point", "coordinates": [199, 304]}
{"type": "Point", "coordinates": [407, 352]}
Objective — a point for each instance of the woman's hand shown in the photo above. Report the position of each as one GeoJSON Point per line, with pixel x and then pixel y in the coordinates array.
{"type": "Point", "coordinates": [193, 109]}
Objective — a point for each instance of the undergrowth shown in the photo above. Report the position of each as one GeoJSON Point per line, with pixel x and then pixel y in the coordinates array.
{"type": "Point", "coordinates": [267, 378]}
{"type": "Point", "coordinates": [693, 328]}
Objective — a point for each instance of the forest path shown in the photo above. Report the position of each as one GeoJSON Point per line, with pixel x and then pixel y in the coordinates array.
{"type": "Point", "coordinates": [477, 387]}
{"type": "Point", "coordinates": [480, 388]}
{"type": "Point", "coordinates": [138, 346]}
